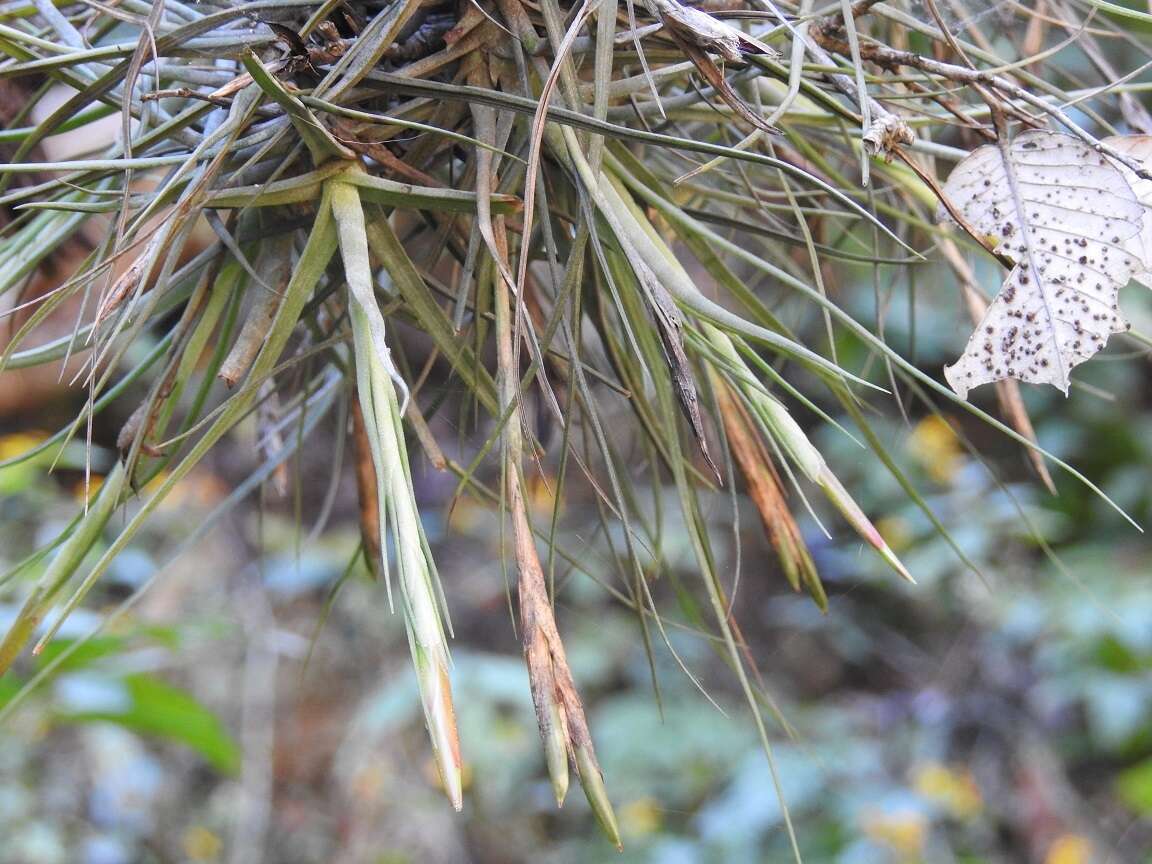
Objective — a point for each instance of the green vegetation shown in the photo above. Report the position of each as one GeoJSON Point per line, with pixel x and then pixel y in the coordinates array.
{"type": "Point", "coordinates": [633, 280]}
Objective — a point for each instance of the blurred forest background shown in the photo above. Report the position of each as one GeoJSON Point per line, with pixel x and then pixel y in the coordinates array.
{"type": "Point", "coordinates": [243, 704]}
{"type": "Point", "coordinates": [249, 697]}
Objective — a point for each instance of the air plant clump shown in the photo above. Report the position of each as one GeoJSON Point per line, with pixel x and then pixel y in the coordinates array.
{"type": "Point", "coordinates": [607, 211]}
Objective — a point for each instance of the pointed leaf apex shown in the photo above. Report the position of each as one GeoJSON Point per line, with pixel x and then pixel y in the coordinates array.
{"type": "Point", "coordinates": [560, 786]}
{"type": "Point", "coordinates": [440, 715]}
{"type": "Point", "coordinates": [593, 782]}
{"type": "Point", "coordinates": [888, 555]}
{"type": "Point", "coordinates": [555, 736]}
{"type": "Point", "coordinates": [851, 511]}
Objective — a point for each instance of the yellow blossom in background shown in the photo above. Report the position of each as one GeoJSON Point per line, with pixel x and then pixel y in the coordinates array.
{"type": "Point", "coordinates": [934, 445]}
{"type": "Point", "coordinates": [201, 844]}
{"type": "Point", "coordinates": [19, 475]}
{"type": "Point", "coordinates": [541, 493]}
{"type": "Point", "coordinates": [468, 516]}
{"type": "Point", "coordinates": [1069, 849]}
{"type": "Point", "coordinates": [156, 482]}
{"type": "Point", "coordinates": [954, 790]}
{"type": "Point", "coordinates": [19, 443]}
{"type": "Point", "coordinates": [896, 532]}
{"type": "Point", "coordinates": [198, 490]}
{"type": "Point", "coordinates": [905, 832]}
{"type": "Point", "coordinates": [641, 817]}
{"type": "Point", "coordinates": [85, 490]}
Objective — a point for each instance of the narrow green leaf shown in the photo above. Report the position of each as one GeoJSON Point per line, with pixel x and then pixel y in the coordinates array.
{"type": "Point", "coordinates": [320, 142]}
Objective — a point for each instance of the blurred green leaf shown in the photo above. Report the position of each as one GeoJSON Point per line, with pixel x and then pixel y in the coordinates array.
{"type": "Point", "coordinates": [159, 709]}
{"type": "Point", "coordinates": [1134, 787]}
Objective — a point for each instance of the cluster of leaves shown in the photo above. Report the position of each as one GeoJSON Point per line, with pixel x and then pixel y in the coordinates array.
{"type": "Point", "coordinates": [518, 177]}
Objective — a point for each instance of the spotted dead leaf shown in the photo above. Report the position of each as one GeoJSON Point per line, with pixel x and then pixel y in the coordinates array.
{"type": "Point", "coordinates": [1068, 219]}
{"type": "Point", "coordinates": [1138, 147]}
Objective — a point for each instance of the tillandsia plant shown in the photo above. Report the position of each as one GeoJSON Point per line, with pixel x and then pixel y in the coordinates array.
{"type": "Point", "coordinates": [637, 208]}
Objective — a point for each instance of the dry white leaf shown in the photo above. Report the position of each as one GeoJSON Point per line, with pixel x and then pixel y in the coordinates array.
{"type": "Point", "coordinates": [1139, 147]}
{"type": "Point", "coordinates": [1067, 217]}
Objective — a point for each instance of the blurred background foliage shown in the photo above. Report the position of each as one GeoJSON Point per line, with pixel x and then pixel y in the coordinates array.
{"type": "Point", "coordinates": [242, 703]}
{"type": "Point", "coordinates": [249, 699]}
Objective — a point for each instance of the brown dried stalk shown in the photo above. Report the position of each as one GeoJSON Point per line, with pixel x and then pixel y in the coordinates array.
{"type": "Point", "coordinates": [559, 709]}
{"type": "Point", "coordinates": [366, 491]}
{"type": "Point", "coordinates": [277, 263]}
{"type": "Point", "coordinates": [764, 490]}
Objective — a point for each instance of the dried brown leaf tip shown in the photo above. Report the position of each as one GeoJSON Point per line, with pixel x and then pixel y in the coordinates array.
{"type": "Point", "coordinates": [670, 325]}
{"type": "Point", "coordinates": [763, 485]}
{"type": "Point", "coordinates": [1066, 215]}
{"type": "Point", "coordinates": [703, 31]}
{"type": "Point", "coordinates": [698, 34]}
{"type": "Point", "coordinates": [369, 509]}
{"type": "Point", "coordinates": [559, 709]}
